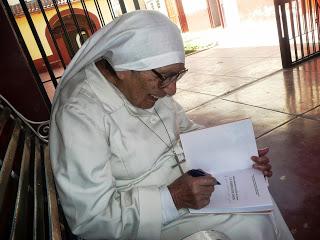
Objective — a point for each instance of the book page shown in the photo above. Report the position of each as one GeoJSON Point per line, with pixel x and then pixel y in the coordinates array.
{"type": "Point", "coordinates": [222, 148]}
{"type": "Point", "coordinates": [240, 191]}
{"type": "Point", "coordinates": [225, 152]}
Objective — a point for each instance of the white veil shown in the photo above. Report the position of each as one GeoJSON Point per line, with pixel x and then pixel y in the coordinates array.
{"type": "Point", "coordinates": [139, 40]}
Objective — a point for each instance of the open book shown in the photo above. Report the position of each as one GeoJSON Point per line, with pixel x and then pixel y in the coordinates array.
{"type": "Point", "coordinates": [225, 152]}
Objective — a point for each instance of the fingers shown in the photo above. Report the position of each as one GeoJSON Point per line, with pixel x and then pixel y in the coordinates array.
{"type": "Point", "coordinates": [260, 160]}
{"type": "Point", "coordinates": [207, 190]}
{"type": "Point", "coordinates": [265, 167]}
{"type": "Point", "coordinates": [207, 180]}
{"type": "Point", "coordinates": [202, 185]}
{"type": "Point", "coordinates": [263, 151]}
{"type": "Point", "coordinates": [267, 173]}
{"type": "Point", "coordinates": [192, 192]}
{"type": "Point", "coordinates": [200, 203]}
{"type": "Point", "coordinates": [200, 199]}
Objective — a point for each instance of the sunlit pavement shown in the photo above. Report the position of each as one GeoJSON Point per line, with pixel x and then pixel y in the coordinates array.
{"type": "Point", "coordinates": [243, 78]}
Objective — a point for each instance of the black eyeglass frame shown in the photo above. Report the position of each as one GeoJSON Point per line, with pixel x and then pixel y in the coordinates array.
{"type": "Point", "coordinates": [167, 80]}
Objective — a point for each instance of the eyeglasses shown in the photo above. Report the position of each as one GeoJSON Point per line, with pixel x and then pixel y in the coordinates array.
{"type": "Point", "coordinates": [167, 80]}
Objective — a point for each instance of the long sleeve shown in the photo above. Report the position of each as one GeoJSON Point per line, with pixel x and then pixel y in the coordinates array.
{"type": "Point", "coordinates": [80, 154]}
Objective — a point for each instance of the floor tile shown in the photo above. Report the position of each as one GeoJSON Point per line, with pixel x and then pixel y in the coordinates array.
{"type": "Point", "coordinates": [313, 114]}
{"type": "Point", "coordinates": [218, 66]}
{"type": "Point", "coordinates": [220, 111]}
{"type": "Point", "coordinates": [294, 152]}
{"type": "Point", "coordinates": [239, 52]}
{"type": "Point", "coordinates": [261, 68]}
{"type": "Point", "coordinates": [289, 91]}
{"type": "Point", "coordinates": [190, 100]}
{"type": "Point", "coordinates": [310, 66]}
{"type": "Point", "coordinates": [211, 84]}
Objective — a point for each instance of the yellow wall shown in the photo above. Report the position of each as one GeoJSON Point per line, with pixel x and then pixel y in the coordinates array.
{"type": "Point", "coordinates": [40, 24]}
{"type": "Point", "coordinates": [129, 5]}
{"type": "Point", "coordinates": [142, 4]}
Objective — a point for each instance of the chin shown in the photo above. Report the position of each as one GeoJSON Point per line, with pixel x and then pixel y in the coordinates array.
{"type": "Point", "coordinates": [146, 106]}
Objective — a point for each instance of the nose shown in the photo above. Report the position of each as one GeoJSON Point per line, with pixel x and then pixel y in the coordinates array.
{"type": "Point", "coordinates": [171, 89]}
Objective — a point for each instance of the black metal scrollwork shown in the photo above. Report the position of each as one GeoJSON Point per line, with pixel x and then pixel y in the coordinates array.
{"type": "Point", "coordinates": [41, 129]}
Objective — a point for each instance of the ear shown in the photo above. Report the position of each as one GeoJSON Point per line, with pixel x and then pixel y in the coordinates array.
{"type": "Point", "coordinates": [123, 75]}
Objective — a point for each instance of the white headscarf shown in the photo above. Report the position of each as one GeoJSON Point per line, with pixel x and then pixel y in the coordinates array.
{"type": "Point", "coordinates": [139, 40]}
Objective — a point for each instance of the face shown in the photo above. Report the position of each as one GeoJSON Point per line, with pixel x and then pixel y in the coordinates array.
{"type": "Point", "coordinates": [143, 88]}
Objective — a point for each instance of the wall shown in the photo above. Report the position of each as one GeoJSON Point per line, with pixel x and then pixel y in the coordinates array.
{"type": "Point", "coordinates": [41, 25]}
{"type": "Point", "coordinates": [197, 15]}
{"type": "Point", "coordinates": [158, 5]}
{"type": "Point", "coordinates": [255, 9]}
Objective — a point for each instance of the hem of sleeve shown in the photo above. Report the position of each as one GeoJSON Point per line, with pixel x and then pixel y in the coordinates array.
{"type": "Point", "coordinates": [150, 213]}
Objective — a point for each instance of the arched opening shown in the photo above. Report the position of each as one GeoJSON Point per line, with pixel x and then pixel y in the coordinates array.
{"type": "Point", "coordinates": [70, 43]}
{"type": "Point", "coordinates": [81, 38]}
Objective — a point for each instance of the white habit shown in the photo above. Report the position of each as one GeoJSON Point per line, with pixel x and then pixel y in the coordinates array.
{"type": "Point", "coordinates": [108, 168]}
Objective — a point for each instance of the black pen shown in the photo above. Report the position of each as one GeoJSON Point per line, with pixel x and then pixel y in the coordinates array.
{"type": "Point", "coordinates": [200, 173]}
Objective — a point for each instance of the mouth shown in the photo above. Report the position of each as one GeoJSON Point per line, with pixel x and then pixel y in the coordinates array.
{"type": "Point", "coordinates": [154, 97]}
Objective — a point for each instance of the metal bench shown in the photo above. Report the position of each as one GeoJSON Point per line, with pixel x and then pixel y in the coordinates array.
{"type": "Point", "coordinates": [29, 207]}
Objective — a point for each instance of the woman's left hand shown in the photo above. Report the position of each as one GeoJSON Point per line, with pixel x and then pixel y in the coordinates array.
{"type": "Point", "coordinates": [262, 162]}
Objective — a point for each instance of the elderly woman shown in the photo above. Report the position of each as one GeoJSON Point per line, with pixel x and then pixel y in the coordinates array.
{"type": "Point", "coordinates": [114, 141]}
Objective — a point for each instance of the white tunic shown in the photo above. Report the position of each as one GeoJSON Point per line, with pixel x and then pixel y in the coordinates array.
{"type": "Point", "coordinates": [109, 166]}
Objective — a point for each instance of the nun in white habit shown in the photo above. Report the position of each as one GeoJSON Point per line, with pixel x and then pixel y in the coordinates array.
{"type": "Point", "coordinates": [114, 142]}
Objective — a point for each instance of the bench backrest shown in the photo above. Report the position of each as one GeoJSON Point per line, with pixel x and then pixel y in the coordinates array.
{"type": "Point", "coordinates": [28, 202]}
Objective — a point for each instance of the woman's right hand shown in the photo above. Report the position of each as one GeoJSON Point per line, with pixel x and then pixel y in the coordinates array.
{"type": "Point", "coordinates": [192, 192]}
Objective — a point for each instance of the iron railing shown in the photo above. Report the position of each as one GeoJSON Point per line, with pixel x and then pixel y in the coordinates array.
{"type": "Point", "coordinates": [68, 25]}
{"type": "Point", "coordinates": [298, 30]}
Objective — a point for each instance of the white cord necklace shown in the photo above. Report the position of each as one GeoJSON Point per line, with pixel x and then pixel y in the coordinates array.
{"type": "Point", "coordinates": [168, 146]}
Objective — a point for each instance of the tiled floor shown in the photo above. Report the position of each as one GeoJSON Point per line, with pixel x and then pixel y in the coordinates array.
{"type": "Point", "coordinates": [230, 84]}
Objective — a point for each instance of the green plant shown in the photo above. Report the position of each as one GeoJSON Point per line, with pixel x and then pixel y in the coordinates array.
{"type": "Point", "coordinates": [190, 49]}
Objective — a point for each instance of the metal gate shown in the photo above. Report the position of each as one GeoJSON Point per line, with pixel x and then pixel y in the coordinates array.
{"type": "Point", "coordinates": [50, 32]}
{"type": "Point", "coordinates": [298, 30]}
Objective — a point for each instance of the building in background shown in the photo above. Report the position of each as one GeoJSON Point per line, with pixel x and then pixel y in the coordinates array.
{"type": "Point", "coordinates": [56, 27]}
{"type": "Point", "coordinates": [189, 15]}
{"type": "Point", "coordinates": [62, 26]}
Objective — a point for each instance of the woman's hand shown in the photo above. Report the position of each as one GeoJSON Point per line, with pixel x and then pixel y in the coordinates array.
{"type": "Point", "coordinates": [262, 162]}
{"type": "Point", "coordinates": [192, 192]}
